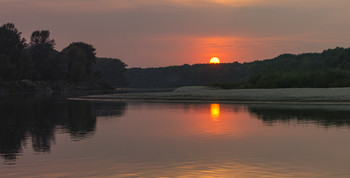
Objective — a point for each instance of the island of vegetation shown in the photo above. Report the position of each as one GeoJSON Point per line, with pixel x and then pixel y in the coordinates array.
{"type": "Point", "coordinates": [37, 66]}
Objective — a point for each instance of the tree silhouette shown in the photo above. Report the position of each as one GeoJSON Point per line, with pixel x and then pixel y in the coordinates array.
{"type": "Point", "coordinates": [12, 57]}
{"type": "Point", "coordinates": [111, 70]}
{"type": "Point", "coordinates": [80, 58]}
{"type": "Point", "coordinates": [42, 38]}
{"type": "Point", "coordinates": [37, 65]}
{"type": "Point", "coordinates": [42, 50]}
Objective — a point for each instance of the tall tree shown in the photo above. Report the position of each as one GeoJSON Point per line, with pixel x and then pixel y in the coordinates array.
{"type": "Point", "coordinates": [80, 58]}
{"type": "Point", "coordinates": [12, 55]}
{"type": "Point", "coordinates": [43, 54]}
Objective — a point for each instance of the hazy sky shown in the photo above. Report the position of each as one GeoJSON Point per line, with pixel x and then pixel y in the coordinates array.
{"type": "Point", "coordinates": [151, 33]}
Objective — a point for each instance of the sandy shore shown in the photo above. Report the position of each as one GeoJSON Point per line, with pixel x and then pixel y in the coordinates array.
{"type": "Point", "coordinates": [201, 93]}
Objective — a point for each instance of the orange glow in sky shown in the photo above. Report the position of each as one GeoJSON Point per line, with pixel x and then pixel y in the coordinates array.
{"type": "Point", "coordinates": [176, 32]}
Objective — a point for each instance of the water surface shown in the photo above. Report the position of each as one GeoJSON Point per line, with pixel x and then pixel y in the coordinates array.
{"type": "Point", "coordinates": [48, 137]}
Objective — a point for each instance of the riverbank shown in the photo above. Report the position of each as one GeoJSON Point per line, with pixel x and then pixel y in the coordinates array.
{"type": "Point", "coordinates": [49, 87]}
{"type": "Point", "coordinates": [201, 93]}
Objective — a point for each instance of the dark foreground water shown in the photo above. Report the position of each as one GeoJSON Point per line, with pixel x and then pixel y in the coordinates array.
{"type": "Point", "coordinates": [46, 137]}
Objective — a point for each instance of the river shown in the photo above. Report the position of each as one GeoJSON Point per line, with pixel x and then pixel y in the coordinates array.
{"type": "Point", "coordinates": [54, 137]}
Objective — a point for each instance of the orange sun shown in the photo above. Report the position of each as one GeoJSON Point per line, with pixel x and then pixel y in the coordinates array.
{"type": "Point", "coordinates": [214, 60]}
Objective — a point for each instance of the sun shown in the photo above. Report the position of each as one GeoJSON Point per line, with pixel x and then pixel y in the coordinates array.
{"type": "Point", "coordinates": [214, 60]}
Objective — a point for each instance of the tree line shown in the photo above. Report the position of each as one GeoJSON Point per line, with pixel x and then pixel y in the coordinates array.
{"type": "Point", "coordinates": [37, 64]}
{"type": "Point", "coordinates": [186, 75]}
{"type": "Point", "coordinates": [331, 68]}
{"type": "Point", "coordinates": [23, 65]}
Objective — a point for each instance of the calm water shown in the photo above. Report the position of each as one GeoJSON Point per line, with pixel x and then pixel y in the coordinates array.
{"type": "Point", "coordinates": [46, 137]}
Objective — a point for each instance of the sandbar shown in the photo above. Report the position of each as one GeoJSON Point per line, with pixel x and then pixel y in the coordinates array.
{"type": "Point", "coordinates": [202, 93]}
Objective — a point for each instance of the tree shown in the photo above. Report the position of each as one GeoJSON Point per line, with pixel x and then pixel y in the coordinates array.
{"type": "Point", "coordinates": [12, 55]}
{"type": "Point", "coordinates": [41, 48]}
{"type": "Point", "coordinates": [112, 71]}
{"type": "Point", "coordinates": [42, 38]}
{"type": "Point", "coordinates": [80, 58]}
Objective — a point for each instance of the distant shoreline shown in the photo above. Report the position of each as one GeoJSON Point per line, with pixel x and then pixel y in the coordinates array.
{"type": "Point", "coordinates": [207, 94]}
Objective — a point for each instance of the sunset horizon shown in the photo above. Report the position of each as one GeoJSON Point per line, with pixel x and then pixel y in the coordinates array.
{"type": "Point", "coordinates": [175, 32]}
{"type": "Point", "coordinates": [174, 88]}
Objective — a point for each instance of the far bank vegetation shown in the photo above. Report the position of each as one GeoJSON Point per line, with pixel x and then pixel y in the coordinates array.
{"type": "Point", "coordinates": [331, 68]}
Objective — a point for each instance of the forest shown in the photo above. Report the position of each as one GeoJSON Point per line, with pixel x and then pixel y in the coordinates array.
{"type": "Point", "coordinates": [331, 68]}
{"type": "Point", "coordinates": [36, 65]}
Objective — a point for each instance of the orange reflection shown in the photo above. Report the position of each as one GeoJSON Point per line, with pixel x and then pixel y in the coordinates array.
{"type": "Point", "coordinates": [215, 111]}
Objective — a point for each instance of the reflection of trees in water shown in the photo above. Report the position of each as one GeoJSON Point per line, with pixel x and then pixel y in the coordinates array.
{"type": "Point", "coordinates": [326, 116]}
{"type": "Point", "coordinates": [38, 119]}
{"type": "Point", "coordinates": [82, 119]}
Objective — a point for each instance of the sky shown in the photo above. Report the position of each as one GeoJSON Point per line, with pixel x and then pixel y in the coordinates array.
{"type": "Point", "coordinates": [153, 33]}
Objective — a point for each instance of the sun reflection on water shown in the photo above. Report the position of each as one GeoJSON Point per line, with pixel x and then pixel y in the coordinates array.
{"type": "Point", "coordinates": [215, 112]}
